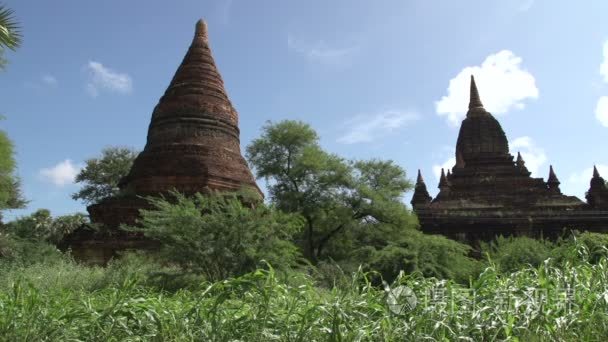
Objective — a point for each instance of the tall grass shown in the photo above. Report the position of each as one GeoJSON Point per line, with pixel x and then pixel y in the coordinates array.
{"type": "Point", "coordinates": [546, 303]}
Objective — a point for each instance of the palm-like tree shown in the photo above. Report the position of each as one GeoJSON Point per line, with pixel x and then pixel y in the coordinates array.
{"type": "Point", "coordinates": [10, 32]}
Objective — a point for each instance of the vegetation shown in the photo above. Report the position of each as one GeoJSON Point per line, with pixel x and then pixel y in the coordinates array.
{"type": "Point", "coordinates": [217, 236]}
{"type": "Point", "coordinates": [100, 176]}
{"type": "Point", "coordinates": [339, 200]}
{"type": "Point", "coordinates": [61, 300]}
{"type": "Point", "coordinates": [10, 33]}
{"type": "Point", "coordinates": [10, 188]}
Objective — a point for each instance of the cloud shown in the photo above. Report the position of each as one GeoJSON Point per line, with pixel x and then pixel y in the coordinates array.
{"type": "Point", "coordinates": [61, 174]}
{"type": "Point", "coordinates": [102, 78]}
{"type": "Point", "coordinates": [526, 5]}
{"type": "Point", "coordinates": [584, 176]}
{"type": "Point", "coordinates": [502, 84]}
{"type": "Point", "coordinates": [533, 155]}
{"type": "Point", "coordinates": [447, 165]}
{"type": "Point", "coordinates": [601, 110]}
{"type": "Point", "coordinates": [578, 182]}
{"type": "Point", "coordinates": [321, 52]}
{"type": "Point", "coordinates": [49, 80]}
{"type": "Point", "coordinates": [366, 128]}
{"type": "Point", "coordinates": [604, 65]}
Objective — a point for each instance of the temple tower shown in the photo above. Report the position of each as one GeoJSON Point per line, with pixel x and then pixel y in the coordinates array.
{"type": "Point", "coordinates": [488, 193]}
{"type": "Point", "coordinates": [193, 137]}
{"type": "Point", "coordinates": [192, 146]}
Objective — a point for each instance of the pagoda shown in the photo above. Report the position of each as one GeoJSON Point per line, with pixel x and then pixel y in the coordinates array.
{"type": "Point", "coordinates": [192, 146]}
{"type": "Point", "coordinates": [488, 193]}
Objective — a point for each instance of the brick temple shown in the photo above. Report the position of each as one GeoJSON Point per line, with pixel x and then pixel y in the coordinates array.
{"type": "Point", "coordinates": [192, 146]}
{"type": "Point", "coordinates": [488, 193]}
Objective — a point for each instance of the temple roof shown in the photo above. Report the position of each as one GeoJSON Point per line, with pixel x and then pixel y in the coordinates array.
{"type": "Point", "coordinates": [193, 138]}
{"type": "Point", "coordinates": [197, 89]}
{"type": "Point", "coordinates": [481, 137]}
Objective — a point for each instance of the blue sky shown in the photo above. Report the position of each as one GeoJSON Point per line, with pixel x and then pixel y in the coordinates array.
{"type": "Point", "coordinates": [382, 79]}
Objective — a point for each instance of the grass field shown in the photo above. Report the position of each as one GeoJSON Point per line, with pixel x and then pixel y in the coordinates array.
{"type": "Point", "coordinates": [68, 302]}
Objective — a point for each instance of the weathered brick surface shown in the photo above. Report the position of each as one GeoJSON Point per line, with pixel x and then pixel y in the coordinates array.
{"type": "Point", "coordinates": [192, 146]}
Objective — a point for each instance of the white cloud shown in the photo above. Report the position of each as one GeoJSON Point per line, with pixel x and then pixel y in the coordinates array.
{"type": "Point", "coordinates": [502, 84]}
{"type": "Point", "coordinates": [604, 65]}
{"type": "Point", "coordinates": [601, 110]}
{"type": "Point", "coordinates": [103, 78]}
{"type": "Point", "coordinates": [61, 174]}
{"type": "Point", "coordinates": [447, 165]}
{"type": "Point", "coordinates": [533, 155]}
{"type": "Point", "coordinates": [584, 176]}
{"type": "Point", "coordinates": [321, 52]}
{"type": "Point", "coordinates": [366, 128]}
{"type": "Point", "coordinates": [49, 80]}
{"type": "Point", "coordinates": [578, 182]}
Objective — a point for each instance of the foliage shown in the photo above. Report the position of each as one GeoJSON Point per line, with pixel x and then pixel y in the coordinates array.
{"type": "Point", "coordinates": [550, 302]}
{"type": "Point", "coordinates": [10, 189]}
{"type": "Point", "coordinates": [430, 255]}
{"type": "Point", "coordinates": [512, 253]}
{"type": "Point", "coordinates": [596, 247]}
{"type": "Point", "coordinates": [216, 235]}
{"type": "Point", "coordinates": [100, 176]}
{"type": "Point", "coordinates": [10, 32]}
{"type": "Point", "coordinates": [41, 226]}
{"type": "Point", "coordinates": [333, 195]}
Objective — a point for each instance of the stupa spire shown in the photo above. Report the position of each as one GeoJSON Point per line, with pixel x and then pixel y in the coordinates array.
{"type": "Point", "coordinates": [193, 137]}
{"type": "Point", "coordinates": [419, 179]}
{"type": "Point", "coordinates": [474, 99]}
{"type": "Point", "coordinates": [201, 29]}
{"type": "Point", "coordinates": [552, 181]}
{"type": "Point", "coordinates": [443, 180]}
{"type": "Point", "coordinates": [421, 195]}
{"type": "Point", "coordinates": [596, 174]}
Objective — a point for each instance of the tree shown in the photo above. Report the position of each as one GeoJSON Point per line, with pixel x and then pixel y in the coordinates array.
{"type": "Point", "coordinates": [41, 226]}
{"type": "Point", "coordinates": [100, 176]}
{"type": "Point", "coordinates": [10, 34]}
{"type": "Point", "coordinates": [10, 188]}
{"type": "Point", "coordinates": [336, 197]}
{"type": "Point", "coordinates": [216, 235]}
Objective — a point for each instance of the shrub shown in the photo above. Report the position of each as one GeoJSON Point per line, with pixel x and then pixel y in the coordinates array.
{"type": "Point", "coordinates": [510, 254]}
{"type": "Point", "coordinates": [41, 226]}
{"type": "Point", "coordinates": [217, 236]}
{"type": "Point", "coordinates": [431, 255]}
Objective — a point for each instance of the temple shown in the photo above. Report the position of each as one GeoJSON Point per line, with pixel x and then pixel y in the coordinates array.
{"type": "Point", "coordinates": [487, 193]}
{"type": "Point", "coordinates": [192, 146]}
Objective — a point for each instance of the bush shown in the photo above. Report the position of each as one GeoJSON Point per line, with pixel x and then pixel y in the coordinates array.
{"type": "Point", "coordinates": [217, 236]}
{"type": "Point", "coordinates": [41, 226]}
{"type": "Point", "coordinates": [510, 254]}
{"type": "Point", "coordinates": [431, 255]}
{"type": "Point", "coordinates": [582, 247]}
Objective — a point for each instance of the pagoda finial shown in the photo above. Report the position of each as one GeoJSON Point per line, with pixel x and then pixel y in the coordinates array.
{"type": "Point", "coordinates": [443, 181]}
{"type": "Point", "coordinates": [201, 29]}
{"type": "Point", "coordinates": [474, 100]}
{"type": "Point", "coordinates": [419, 179]}
{"type": "Point", "coordinates": [596, 174]}
{"type": "Point", "coordinates": [421, 195]}
{"type": "Point", "coordinates": [552, 181]}
{"type": "Point", "coordinates": [520, 160]}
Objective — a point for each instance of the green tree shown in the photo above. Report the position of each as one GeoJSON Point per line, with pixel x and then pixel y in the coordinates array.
{"type": "Point", "coordinates": [10, 34]}
{"type": "Point", "coordinates": [41, 226]}
{"type": "Point", "coordinates": [336, 197]}
{"type": "Point", "coordinates": [10, 185]}
{"type": "Point", "coordinates": [216, 235]}
{"type": "Point", "coordinates": [100, 176]}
